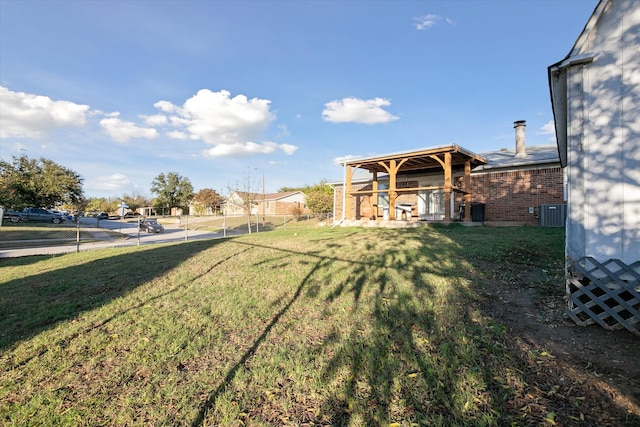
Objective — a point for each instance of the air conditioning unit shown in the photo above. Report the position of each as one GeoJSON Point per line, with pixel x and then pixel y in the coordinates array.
{"type": "Point", "coordinates": [552, 215]}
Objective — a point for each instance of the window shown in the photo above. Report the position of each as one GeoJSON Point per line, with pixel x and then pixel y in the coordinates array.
{"type": "Point", "coordinates": [383, 198]}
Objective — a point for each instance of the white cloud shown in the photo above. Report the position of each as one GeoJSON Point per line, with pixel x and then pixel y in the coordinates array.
{"type": "Point", "coordinates": [427, 21]}
{"type": "Point", "coordinates": [548, 128]}
{"type": "Point", "coordinates": [121, 131]}
{"type": "Point", "coordinates": [342, 159]}
{"type": "Point", "coordinates": [248, 148]}
{"type": "Point", "coordinates": [155, 120]}
{"type": "Point", "coordinates": [216, 118]}
{"type": "Point", "coordinates": [288, 148]}
{"type": "Point", "coordinates": [176, 134]}
{"type": "Point", "coordinates": [32, 116]}
{"type": "Point", "coordinates": [229, 124]}
{"type": "Point", "coordinates": [115, 184]}
{"type": "Point", "coordinates": [165, 106]}
{"type": "Point", "coordinates": [356, 110]}
{"type": "Point", "coordinates": [283, 131]}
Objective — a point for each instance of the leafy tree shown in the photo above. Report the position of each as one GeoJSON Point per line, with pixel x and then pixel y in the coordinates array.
{"type": "Point", "coordinates": [101, 204]}
{"type": "Point", "coordinates": [319, 199]}
{"type": "Point", "coordinates": [207, 198]}
{"type": "Point", "coordinates": [38, 183]}
{"type": "Point", "coordinates": [172, 191]}
{"type": "Point", "coordinates": [135, 201]}
{"type": "Point", "coordinates": [288, 189]}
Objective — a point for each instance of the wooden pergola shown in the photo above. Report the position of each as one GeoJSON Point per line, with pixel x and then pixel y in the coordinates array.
{"type": "Point", "coordinates": [428, 160]}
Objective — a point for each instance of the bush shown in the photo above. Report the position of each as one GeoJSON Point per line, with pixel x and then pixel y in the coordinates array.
{"type": "Point", "coordinates": [296, 212]}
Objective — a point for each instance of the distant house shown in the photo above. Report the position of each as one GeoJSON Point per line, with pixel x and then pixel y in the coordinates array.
{"type": "Point", "coordinates": [265, 204]}
{"type": "Point", "coordinates": [595, 94]}
{"type": "Point", "coordinates": [196, 208]}
{"type": "Point", "coordinates": [452, 183]}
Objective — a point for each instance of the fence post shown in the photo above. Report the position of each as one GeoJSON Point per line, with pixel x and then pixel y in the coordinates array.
{"type": "Point", "coordinates": [77, 234]}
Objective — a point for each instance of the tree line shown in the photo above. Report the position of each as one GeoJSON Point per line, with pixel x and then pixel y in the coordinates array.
{"type": "Point", "coordinates": [26, 182]}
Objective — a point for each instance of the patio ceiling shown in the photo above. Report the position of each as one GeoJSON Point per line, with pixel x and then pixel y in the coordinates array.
{"type": "Point", "coordinates": [418, 160]}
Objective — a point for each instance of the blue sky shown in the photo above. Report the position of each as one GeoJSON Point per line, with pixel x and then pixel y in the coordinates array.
{"type": "Point", "coordinates": [121, 91]}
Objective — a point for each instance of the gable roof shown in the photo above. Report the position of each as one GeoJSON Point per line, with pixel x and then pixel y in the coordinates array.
{"type": "Point", "coordinates": [419, 159]}
{"type": "Point", "coordinates": [505, 158]}
{"type": "Point", "coordinates": [278, 196]}
{"type": "Point", "coordinates": [267, 196]}
{"type": "Point", "coordinates": [537, 155]}
{"type": "Point", "coordinates": [557, 76]}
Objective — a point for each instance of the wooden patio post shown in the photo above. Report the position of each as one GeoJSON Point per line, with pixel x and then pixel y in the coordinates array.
{"type": "Point", "coordinates": [347, 190]}
{"type": "Point", "coordinates": [467, 189]}
{"type": "Point", "coordinates": [392, 170]}
{"type": "Point", "coordinates": [447, 186]}
{"type": "Point", "coordinates": [374, 195]}
{"type": "Point", "coordinates": [392, 190]}
{"type": "Point", "coordinates": [446, 166]}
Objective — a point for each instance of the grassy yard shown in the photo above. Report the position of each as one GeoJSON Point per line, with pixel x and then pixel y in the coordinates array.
{"type": "Point", "coordinates": [342, 327]}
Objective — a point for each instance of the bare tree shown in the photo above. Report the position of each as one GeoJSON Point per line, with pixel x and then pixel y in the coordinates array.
{"type": "Point", "coordinates": [245, 196]}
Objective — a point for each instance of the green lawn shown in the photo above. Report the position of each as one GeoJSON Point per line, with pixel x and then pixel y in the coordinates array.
{"type": "Point", "coordinates": [322, 326]}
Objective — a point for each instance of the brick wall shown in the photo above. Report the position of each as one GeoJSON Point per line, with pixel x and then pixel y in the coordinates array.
{"type": "Point", "coordinates": [508, 195]}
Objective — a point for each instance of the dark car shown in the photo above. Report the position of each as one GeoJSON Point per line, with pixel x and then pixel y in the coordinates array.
{"type": "Point", "coordinates": [150, 226]}
{"type": "Point", "coordinates": [102, 215]}
{"type": "Point", "coordinates": [12, 216]}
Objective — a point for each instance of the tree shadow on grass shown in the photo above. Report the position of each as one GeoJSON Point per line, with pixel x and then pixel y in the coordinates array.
{"type": "Point", "coordinates": [32, 304]}
{"type": "Point", "coordinates": [401, 360]}
{"type": "Point", "coordinates": [213, 396]}
{"type": "Point", "coordinates": [423, 350]}
{"type": "Point", "coordinates": [406, 341]}
{"type": "Point", "coordinates": [400, 300]}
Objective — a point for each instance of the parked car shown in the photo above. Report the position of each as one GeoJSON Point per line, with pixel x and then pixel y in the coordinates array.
{"type": "Point", "coordinates": [150, 226]}
{"type": "Point", "coordinates": [12, 216]}
{"type": "Point", "coordinates": [66, 215]}
{"type": "Point", "coordinates": [102, 215]}
{"type": "Point", "coordinates": [37, 215]}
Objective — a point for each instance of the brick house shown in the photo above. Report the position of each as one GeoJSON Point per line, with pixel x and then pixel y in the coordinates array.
{"type": "Point", "coordinates": [437, 184]}
{"type": "Point", "coordinates": [266, 204]}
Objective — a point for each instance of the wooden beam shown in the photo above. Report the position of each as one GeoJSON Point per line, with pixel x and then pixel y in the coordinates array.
{"type": "Point", "coordinates": [374, 195]}
{"type": "Point", "coordinates": [404, 190]}
{"type": "Point", "coordinates": [347, 190]}
{"type": "Point", "coordinates": [392, 170]}
{"type": "Point", "coordinates": [447, 186]}
{"type": "Point", "coordinates": [467, 187]}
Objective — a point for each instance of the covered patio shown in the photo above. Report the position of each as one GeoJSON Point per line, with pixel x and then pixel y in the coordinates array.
{"type": "Point", "coordinates": [443, 161]}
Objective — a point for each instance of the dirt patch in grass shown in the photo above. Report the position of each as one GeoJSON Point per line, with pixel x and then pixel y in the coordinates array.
{"type": "Point", "coordinates": [583, 366]}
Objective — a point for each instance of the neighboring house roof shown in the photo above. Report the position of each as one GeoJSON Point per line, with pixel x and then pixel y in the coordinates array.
{"type": "Point", "coordinates": [279, 196]}
{"type": "Point", "coordinates": [267, 196]}
{"type": "Point", "coordinates": [359, 176]}
{"type": "Point", "coordinates": [505, 158]}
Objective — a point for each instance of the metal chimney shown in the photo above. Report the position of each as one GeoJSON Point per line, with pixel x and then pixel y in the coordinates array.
{"type": "Point", "coordinates": [521, 151]}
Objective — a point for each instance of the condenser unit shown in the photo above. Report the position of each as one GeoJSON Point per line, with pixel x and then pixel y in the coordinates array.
{"type": "Point", "coordinates": [552, 215]}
